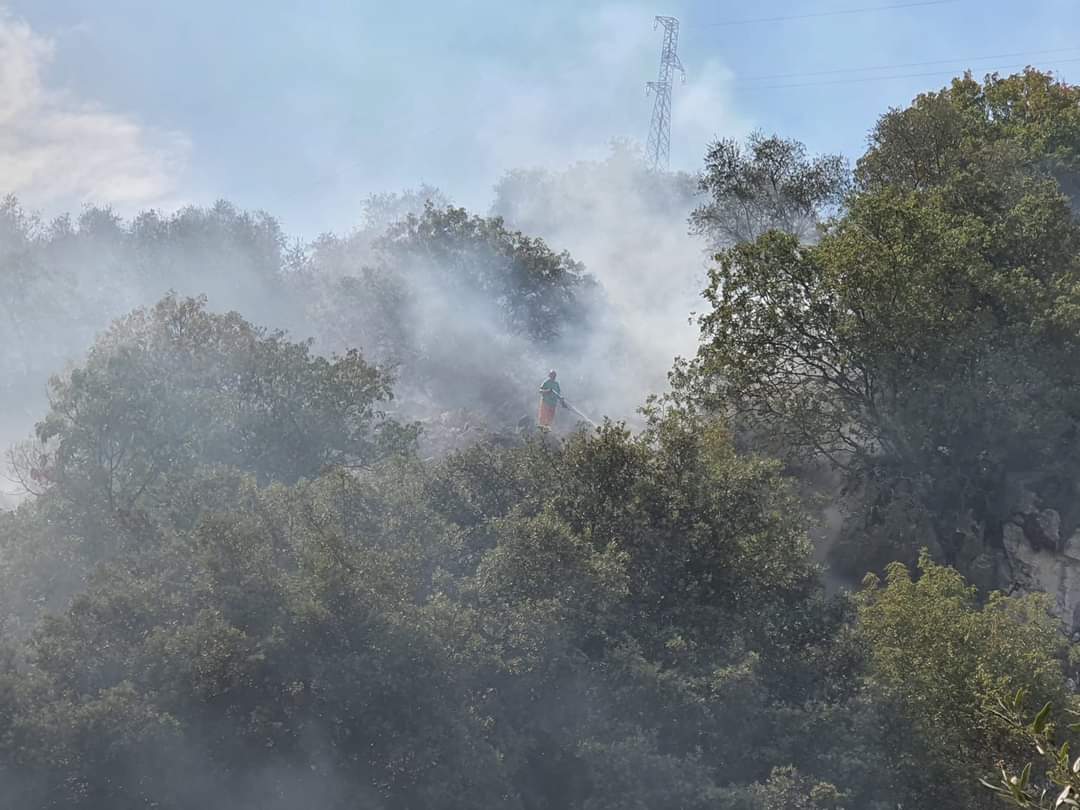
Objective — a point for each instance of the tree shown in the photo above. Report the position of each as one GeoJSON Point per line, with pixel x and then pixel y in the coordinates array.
{"type": "Point", "coordinates": [768, 184]}
{"type": "Point", "coordinates": [1028, 118]}
{"type": "Point", "coordinates": [618, 620]}
{"type": "Point", "coordinates": [787, 789]}
{"type": "Point", "coordinates": [924, 348]}
{"type": "Point", "coordinates": [609, 622]}
{"type": "Point", "coordinates": [270, 656]}
{"type": "Point", "coordinates": [479, 262]}
{"type": "Point", "coordinates": [62, 282]}
{"type": "Point", "coordinates": [942, 662]}
{"type": "Point", "coordinates": [174, 388]}
{"type": "Point", "coordinates": [701, 614]}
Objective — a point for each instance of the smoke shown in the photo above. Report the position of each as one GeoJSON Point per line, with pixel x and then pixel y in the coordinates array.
{"type": "Point", "coordinates": [629, 228]}
{"type": "Point", "coordinates": [538, 113]}
{"type": "Point", "coordinates": [626, 225]}
{"type": "Point", "coordinates": [451, 341]}
{"type": "Point", "coordinates": [452, 347]}
{"type": "Point", "coordinates": [435, 306]}
{"type": "Point", "coordinates": [65, 281]}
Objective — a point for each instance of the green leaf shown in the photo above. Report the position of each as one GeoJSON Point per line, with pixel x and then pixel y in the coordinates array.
{"type": "Point", "coordinates": [1018, 699]}
{"type": "Point", "coordinates": [1039, 723]}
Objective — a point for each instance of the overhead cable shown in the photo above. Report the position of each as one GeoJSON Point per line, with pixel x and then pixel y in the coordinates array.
{"type": "Point", "coordinates": [860, 79]}
{"type": "Point", "coordinates": [840, 12]}
{"type": "Point", "coordinates": [802, 74]}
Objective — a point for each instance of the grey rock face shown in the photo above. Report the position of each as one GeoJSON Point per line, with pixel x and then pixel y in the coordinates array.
{"type": "Point", "coordinates": [1039, 561]}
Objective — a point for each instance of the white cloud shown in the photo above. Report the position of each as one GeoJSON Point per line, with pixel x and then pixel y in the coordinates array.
{"type": "Point", "coordinates": [58, 152]}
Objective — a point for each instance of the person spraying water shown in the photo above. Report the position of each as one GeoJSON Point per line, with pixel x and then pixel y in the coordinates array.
{"type": "Point", "coordinates": [550, 398]}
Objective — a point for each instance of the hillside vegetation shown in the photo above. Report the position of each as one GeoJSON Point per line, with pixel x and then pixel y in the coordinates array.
{"type": "Point", "coordinates": [239, 581]}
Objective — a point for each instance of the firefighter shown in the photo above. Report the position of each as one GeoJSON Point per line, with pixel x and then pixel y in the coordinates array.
{"type": "Point", "coordinates": [550, 397]}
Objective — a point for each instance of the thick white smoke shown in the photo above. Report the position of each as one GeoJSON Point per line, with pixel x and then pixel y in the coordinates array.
{"type": "Point", "coordinates": [629, 227]}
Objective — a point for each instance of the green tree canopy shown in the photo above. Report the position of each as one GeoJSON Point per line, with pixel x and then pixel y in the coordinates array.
{"type": "Point", "coordinates": [940, 663]}
{"type": "Point", "coordinates": [1029, 119]}
{"type": "Point", "coordinates": [173, 388]}
{"type": "Point", "coordinates": [926, 347]}
{"type": "Point", "coordinates": [238, 588]}
{"type": "Point", "coordinates": [617, 621]}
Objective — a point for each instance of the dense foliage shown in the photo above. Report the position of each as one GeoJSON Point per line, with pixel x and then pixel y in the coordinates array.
{"type": "Point", "coordinates": [237, 585]}
{"type": "Point", "coordinates": [229, 592]}
{"type": "Point", "coordinates": [943, 662]}
{"type": "Point", "coordinates": [534, 627]}
{"type": "Point", "coordinates": [532, 287]}
{"type": "Point", "coordinates": [927, 346]}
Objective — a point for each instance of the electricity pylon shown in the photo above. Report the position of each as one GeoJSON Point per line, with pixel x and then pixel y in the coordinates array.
{"type": "Point", "coordinates": [658, 149]}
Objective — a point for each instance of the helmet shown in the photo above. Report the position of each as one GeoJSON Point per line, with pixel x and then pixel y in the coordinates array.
{"type": "Point", "coordinates": [551, 374]}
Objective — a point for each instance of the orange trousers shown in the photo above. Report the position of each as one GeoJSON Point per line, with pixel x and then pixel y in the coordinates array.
{"type": "Point", "coordinates": [547, 414]}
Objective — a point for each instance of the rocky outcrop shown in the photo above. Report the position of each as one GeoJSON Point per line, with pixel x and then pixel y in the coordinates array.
{"type": "Point", "coordinates": [1037, 558]}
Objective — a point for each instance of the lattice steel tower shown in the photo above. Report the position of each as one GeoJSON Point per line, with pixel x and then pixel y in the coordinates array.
{"type": "Point", "coordinates": [658, 149]}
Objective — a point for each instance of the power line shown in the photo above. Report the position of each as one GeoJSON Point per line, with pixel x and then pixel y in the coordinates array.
{"type": "Point", "coordinates": [801, 74]}
{"type": "Point", "coordinates": [863, 10]}
{"type": "Point", "coordinates": [895, 76]}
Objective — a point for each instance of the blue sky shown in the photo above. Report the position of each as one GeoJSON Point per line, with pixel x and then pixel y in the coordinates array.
{"type": "Point", "coordinates": [304, 109]}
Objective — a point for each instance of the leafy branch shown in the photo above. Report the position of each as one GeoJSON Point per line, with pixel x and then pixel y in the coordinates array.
{"type": "Point", "coordinates": [1059, 787]}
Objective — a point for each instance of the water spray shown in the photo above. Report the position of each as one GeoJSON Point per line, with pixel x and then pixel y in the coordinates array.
{"type": "Point", "coordinates": [579, 413]}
